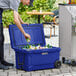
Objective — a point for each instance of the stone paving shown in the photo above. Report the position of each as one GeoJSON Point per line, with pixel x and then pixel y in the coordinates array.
{"type": "Point", "coordinates": [10, 57]}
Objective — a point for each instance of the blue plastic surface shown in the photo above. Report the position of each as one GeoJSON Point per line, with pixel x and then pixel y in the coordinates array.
{"type": "Point", "coordinates": [33, 59]}
{"type": "Point", "coordinates": [41, 59]}
{"type": "Point", "coordinates": [34, 30]}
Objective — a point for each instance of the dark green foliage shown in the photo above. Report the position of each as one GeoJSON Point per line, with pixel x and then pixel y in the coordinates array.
{"type": "Point", "coordinates": [27, 46]}
{"type": "Point", "coordinates": [51, 3]}
{"type": "Point", "coordinates": [49, 46]}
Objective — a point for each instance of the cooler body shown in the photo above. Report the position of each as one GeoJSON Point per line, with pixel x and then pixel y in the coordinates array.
{"type": "Point", "coordinates": [29, 60]}
{"type": "Point", "coordinates": [44, 59]}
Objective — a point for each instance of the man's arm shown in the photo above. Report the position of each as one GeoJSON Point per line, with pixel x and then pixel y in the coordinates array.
{"type": "Point", "coordinates": [20, 19]}
{"type": "Point", "coordinates": [18, 23]}
{"type": "Point", "coordinates": [22, 22]}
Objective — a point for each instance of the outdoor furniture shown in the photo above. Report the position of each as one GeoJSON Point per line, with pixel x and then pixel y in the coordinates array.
{"type": "Point", "coordinates": [54, 22]}
{"type": "Point", "coordinates": [39, 13]}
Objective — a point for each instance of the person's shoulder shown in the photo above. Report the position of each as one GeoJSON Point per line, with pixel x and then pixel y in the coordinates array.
{"type": "Point", "coordinates": [18, 1]}
{"type": "Point", "coordinates": [14, 4]}
{"type": "Point", "coordinates": [15, 1]}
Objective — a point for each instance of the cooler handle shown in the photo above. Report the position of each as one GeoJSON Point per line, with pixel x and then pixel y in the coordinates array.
{"type": "Point", "coordinates": [44, 53]}
{"type": "Point", "coordinates": [23, 62]}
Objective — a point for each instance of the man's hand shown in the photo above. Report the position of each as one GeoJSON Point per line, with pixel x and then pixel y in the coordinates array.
{"type": "Point", "coordinates": [27, 2]}
{"type": "Point", "coordinates": [27, 36]}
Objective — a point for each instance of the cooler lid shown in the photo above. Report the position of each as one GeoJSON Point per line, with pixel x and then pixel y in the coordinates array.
{"type": "Point", "coordinates": [34, 30]}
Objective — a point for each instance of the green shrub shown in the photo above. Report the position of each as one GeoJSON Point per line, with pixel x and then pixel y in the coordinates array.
{"type": "Point", "coordinates": [46, 5]}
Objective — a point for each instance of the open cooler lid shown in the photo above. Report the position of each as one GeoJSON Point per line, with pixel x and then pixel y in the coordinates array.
{"type": "Point", "coordinates": [35, 30]}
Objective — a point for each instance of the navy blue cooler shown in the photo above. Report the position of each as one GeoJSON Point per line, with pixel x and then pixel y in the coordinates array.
{"type": "Point", "coordinates": [33, 59]}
